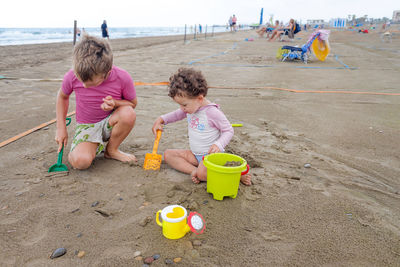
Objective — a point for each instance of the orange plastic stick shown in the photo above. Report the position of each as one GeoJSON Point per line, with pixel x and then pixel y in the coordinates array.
{"type": "Point", "coordinates": [12, 139]}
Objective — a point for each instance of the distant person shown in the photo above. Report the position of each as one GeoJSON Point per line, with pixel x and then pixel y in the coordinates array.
{"type": "Point", "coordinates": [230, 22]}
{"type": "Point", "coordinates": [269, 29]}
{"type": "Point", "coordinates": [105, 102]}
{"type": "Point", "coordinates": [276, 31]}
{"type": "Point", "coordinates": [234, 22]}
{"type": "Point", "coordinates": [200, 28]}
{"type": "Point", "coordinates": [104, 30]}
{"type": "Point", "coordinates": [288, 30]}
{"type": "Point", "coordinates": [209, 129]}
{"type": "Point", "coordinates": [78, 32]}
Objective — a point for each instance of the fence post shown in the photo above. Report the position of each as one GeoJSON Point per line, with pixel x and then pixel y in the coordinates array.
{"type": "Point", "coordinates": [75, 32]}
{"type": "Point", "coordinates": [184, 40]}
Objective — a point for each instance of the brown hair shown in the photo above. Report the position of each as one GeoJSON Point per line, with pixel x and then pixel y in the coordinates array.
{"type": "Point", "coordinates": [188, 83]}
{"type": "Point", "coordinates": [92, 56]}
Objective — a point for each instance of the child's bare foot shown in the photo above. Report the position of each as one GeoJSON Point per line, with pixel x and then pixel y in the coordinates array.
{"type": "Point", "coordinates": [246, 179]}
{"type": "Point", "coordinates": [194, 177]}
{"type": "Point", "coordinates": [119, 155]}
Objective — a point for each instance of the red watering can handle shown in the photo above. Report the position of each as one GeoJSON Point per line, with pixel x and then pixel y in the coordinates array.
{"type": "Point", "coordinates": [246, 171]}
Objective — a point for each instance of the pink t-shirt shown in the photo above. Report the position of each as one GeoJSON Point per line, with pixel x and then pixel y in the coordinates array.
{"type": "Point", "coordinates": [119, 85]}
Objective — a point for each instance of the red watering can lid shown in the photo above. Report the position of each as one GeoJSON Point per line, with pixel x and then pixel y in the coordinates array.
{"type": "Point", "coordinates": [196, 223]}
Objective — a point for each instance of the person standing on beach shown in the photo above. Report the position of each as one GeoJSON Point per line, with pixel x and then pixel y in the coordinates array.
{"type": "Point", "coordinates": [104, 30]}
{"type": "Point", "coordinates": [230, 22]}
{"type": "Point", "coordinates": [105, 103]}
{"type": "Point", "coordinates": [234, 21]}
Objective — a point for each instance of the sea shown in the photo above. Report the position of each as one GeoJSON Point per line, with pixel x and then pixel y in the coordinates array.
{"type": "Point", "coordinates": [20, 36]}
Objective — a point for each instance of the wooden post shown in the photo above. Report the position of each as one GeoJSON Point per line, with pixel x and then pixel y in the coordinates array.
{"type": "Point", "coordinates": [194, 37]}
{"type": "Point", "coordinates": [205, 34]}
{"type": "Point", "coordinates": [212, 31]}
{"type": "Point", "coordinates": [184, 40]}
{"type": "Point", "coordinates": [74, 32]}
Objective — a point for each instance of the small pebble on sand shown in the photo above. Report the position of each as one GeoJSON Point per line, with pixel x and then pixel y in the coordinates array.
{"type": "Point", "coordinates": [169, 261]}
{"type": "Point", "coordinates": [137, 254]}
{"type": "Point", "coordinates": [176, 260]}
{"type": "Point", "coordinates": [58, 253]}
{"type": "Point", "coordinates": [81, 254]}
{"type": "Point", "coordinates": [139, 258]}
{"type": "Point", "coordinates": [148, 260]}
{"type": "Point", "coordinates": [194, 254]}
{"type": "Point", "coordinates": [94, 204]}
{"type": "Point", "coordinates": [307, 165]}
{"type": "Point", "coordinates": [196, 243]}
{"type": "Point", "coordinates": [156, 256]}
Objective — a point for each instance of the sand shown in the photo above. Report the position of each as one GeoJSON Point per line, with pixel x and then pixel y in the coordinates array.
{"type": "Point", "coordinates": [343, 210]}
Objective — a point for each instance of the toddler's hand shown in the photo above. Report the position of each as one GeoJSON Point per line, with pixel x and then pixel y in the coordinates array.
{"type": "Point", "coordinates": [214, 149]}
{"type": "Point", "coordinates": [158, 125]}
{"type": "Point", "coordinates": [108, 104]}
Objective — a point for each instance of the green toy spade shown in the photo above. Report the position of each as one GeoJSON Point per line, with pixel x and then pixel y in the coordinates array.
{"type": "Point", "coordinates": [59, 166]}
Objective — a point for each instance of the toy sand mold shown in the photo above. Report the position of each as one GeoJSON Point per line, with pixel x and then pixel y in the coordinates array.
{"type": "Point", "coordinates": [223, 181]}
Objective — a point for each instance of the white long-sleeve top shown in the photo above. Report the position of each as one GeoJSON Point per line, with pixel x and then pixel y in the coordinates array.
{"type": "Point", "coordinates": [207, 126]}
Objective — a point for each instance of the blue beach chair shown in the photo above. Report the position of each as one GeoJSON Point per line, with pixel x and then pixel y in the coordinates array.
{"type": "Point", "coordinates": [294, 52]}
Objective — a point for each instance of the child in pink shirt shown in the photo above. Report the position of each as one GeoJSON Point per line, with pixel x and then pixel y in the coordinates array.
{"type": "Point", "coordinates": [209, 129]}
{"type": "Point", "coordinates": [105, 102]}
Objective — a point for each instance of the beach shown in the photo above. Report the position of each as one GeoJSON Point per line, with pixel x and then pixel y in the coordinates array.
{"type": "Point", "coordinates": [321, 140]}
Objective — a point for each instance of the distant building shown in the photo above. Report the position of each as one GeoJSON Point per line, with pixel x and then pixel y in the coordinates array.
{"type": "Point", "coordinates": [396, 16]}
{"type": "Point", "coordinates": [315, 21]}
{"type": "Point", "coordinates": [338, 22]}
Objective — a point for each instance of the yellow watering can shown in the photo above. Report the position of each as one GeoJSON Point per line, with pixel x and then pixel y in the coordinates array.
{"type": "Point", "coordinates": [175, 223]}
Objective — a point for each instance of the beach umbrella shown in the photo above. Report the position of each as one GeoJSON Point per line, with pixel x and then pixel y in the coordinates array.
{"type": "Point", "coordinates": [261, 16]}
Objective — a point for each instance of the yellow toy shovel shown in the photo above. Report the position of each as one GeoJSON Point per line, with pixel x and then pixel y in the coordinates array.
{"type": "Point", "coordinates": [152, 161]}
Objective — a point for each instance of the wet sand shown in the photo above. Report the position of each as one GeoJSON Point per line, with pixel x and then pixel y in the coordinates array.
{"type": "Point", "coordinates": [344, 210]}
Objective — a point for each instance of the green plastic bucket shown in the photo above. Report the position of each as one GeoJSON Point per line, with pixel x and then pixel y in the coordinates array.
{"type": "Point", "coordinates": [224, 181]}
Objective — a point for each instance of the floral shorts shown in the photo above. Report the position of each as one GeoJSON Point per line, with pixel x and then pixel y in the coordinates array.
{"type": "Point", "coordinates": [98, 132]}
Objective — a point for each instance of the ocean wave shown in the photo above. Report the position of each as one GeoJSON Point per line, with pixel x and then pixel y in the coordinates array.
{"type": "Point", "coordinates": [17, 36]}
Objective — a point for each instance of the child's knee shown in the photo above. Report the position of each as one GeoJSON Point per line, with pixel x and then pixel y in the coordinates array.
{"type": "Point", "coordinates": [81, 161]}
{"type": "Point", "coordinates": [127, 115]}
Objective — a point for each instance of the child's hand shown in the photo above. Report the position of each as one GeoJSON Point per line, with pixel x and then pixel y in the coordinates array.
{"type": "Point", "coordinates": [61, 138]}
{"type": "Point", "coordinates": [214, 149]}
{"type": "Point", "coordinates": [158, 125]}
{"type": "Point", "coordinates": [108, 104]}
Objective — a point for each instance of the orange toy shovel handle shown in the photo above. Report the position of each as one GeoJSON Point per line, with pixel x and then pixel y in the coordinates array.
{"type": "Point", "coordinates": [156, 142]}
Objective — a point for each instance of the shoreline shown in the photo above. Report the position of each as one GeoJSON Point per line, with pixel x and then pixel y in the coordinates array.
{"type": "Point", "coordinates": [56, 51]}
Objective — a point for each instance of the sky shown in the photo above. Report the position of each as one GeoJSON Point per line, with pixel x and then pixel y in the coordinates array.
{"type": "Point", "coordinates": [138, 13]}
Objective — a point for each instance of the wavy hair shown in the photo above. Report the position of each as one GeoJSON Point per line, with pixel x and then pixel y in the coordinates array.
{"type": "Point", "coordinates": [187, 82]}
